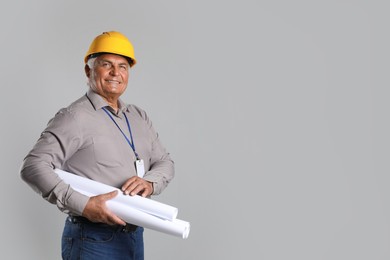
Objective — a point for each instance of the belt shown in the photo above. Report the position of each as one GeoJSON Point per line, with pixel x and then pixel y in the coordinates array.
{"type": "Point", "coordinates": [129, 228]}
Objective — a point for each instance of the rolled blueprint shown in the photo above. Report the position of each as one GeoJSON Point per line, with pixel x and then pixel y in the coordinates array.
{"type": "Point", "coordinates": [136, 210]}
{"type": "Point", "coordinates": [95, 188]}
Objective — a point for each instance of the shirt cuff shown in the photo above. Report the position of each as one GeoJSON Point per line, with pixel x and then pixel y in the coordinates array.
{"type": "Point", "coordinates": [77, 203]}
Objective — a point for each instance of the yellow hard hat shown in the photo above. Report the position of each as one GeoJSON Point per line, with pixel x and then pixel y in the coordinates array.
{"type": "Point", "coordinates": [111, 42]}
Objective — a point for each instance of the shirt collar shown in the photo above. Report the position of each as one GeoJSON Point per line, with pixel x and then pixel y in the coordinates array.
{"type": "Point", "coordinates": [98, 102]}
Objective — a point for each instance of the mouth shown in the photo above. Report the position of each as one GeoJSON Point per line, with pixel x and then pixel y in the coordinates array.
{"type": "Point", "coordinates": [113, 82]}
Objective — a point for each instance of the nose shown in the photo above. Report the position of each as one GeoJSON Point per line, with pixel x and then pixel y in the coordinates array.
{"type": "Point", "coordinates": [114, 70]}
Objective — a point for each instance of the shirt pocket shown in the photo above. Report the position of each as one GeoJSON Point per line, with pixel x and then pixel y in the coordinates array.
{"type": "Point", "coordinates": [106, 152]}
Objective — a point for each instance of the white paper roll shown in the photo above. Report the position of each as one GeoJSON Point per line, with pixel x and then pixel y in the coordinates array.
{"type": "Point", "coordinates": [136, 210]}
{"type": "Point", "coordinates": [95, 188]}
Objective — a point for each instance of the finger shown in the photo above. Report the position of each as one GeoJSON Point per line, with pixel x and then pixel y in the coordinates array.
{"type": "Point", "coordinates": [141, 187]}
{"type": "Point", "coordinates": [136, 188]}
{"type": "Point", "coordinates": [115, 220]}
{"type": "Point", "coordinates": [109, 195]}
{"type": "Point", "coordinates": [128, 183]}
{"type": "Point", "coordinates": [130, 189]}
{"type": "Point", "coordinates": [111, 218]}
{"type": "Point", "coordinates": [145, 193]}
{"type": "Point", "coordinates": [148, 190]}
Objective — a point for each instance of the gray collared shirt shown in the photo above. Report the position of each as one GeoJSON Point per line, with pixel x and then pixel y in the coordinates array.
{"type": "Point", "coordinates": [83, 139]}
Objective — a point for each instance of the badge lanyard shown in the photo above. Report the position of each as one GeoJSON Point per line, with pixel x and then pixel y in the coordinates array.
{"type": "Point", "coordinates": [139, 162]}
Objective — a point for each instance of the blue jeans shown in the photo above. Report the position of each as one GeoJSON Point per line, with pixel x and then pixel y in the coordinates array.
{"type": "Point", "coordinates": [84, 241]}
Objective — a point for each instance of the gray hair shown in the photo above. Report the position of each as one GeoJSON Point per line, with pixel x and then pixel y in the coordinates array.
{"type": "Point", "coordinates": [91, 62]}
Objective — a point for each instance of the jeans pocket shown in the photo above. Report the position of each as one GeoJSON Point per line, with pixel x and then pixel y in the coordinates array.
{"type": "Point", "coordinates": [97, 234]}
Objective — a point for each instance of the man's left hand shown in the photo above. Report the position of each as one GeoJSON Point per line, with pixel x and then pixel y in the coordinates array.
{"type": "Point", "coordinates": [136, 185]}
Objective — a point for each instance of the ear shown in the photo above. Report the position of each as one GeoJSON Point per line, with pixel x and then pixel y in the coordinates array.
{"type": "Point", "coordinates": [87, 70]}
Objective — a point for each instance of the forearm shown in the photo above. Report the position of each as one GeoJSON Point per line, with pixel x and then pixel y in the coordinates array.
{"type": "Point", "coordinates": [160, 174]}
{"type": "Point", "coordinates": [41, 177]}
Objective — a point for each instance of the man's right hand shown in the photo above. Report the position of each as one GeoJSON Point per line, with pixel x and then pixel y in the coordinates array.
{"type": "Point", "coordinates": [97, 211]}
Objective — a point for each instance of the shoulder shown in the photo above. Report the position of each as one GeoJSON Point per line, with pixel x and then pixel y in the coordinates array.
{"type": "Point", "coordinates": [73, 114]}
{"type": "Point", "coordinates": [136, 110]}
{"type": "Point", "coordinates": [78, 109]}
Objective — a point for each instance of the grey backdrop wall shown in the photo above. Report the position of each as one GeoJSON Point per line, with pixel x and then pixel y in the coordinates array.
{"type": "Point", "coordinates": [276, 113]}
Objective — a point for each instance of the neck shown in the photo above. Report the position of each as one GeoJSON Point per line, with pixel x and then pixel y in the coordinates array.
{"type": "Point", "coordinates": [112, 102]}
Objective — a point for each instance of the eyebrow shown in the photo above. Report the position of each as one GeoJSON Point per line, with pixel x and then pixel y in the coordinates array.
{"type": "Point", "coordinates": [121, 63]}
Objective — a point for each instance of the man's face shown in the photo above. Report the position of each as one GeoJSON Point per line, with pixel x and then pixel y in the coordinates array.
{"type": "Point", "coordinates": [109, 75]}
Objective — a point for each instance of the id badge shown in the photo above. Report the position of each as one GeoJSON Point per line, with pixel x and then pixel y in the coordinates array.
{"type": "Point", "coordinates": [139, 165]}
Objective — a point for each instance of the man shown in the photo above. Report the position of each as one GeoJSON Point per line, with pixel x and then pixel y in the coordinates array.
{"type": "Point", "coordinates": [101, 138]}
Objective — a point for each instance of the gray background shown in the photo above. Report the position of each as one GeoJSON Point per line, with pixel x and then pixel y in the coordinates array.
{"type": "Point", "coordinates": [276, 113]}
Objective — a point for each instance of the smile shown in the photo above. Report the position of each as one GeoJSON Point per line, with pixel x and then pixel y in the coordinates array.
{"type": "Point", "coordinates": [113, 81]}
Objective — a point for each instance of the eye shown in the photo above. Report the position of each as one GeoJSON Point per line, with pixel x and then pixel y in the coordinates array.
{"type": "Point", "coordinates": [123, 67]}
{"type": "Point", "coordinates": [105, 64]}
